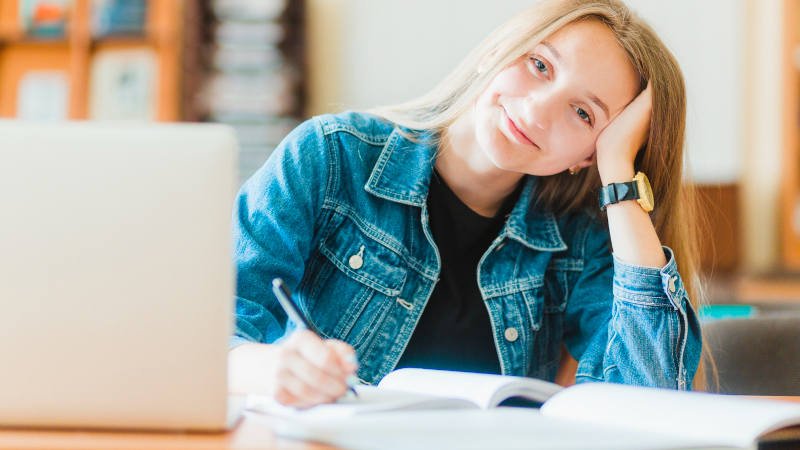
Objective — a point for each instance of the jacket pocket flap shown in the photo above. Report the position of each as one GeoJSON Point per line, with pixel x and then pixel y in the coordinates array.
{"type": "Point", "coordinates": [365, 259]}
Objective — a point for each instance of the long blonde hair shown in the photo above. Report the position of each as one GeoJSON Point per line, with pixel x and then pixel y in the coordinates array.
{"type": "Point", "coordinates": [661, 158]}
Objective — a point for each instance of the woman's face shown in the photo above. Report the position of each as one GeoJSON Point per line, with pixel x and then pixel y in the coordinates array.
{"type": "Point", "coordinates": [542, 114]}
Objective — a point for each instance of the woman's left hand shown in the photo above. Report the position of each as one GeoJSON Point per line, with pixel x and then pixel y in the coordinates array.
{"type": "Point", "coordinates": [620, 140]}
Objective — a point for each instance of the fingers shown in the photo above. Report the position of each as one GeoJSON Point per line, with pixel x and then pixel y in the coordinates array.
{"type": "Point", "coordinates": [312, 371]}
{"type": "Point", "coordinates": [345, 353]}
{"type": "Point", "coordinates": [326, 386]}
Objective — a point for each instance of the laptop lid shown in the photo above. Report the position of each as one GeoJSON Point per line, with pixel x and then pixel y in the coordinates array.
{"type": "Point", "coordinates": [116, 280]}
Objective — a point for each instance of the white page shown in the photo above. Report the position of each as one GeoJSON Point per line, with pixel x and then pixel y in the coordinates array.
{"type": "Point", "coordinates": [480, 389]}
{"type": "Point", "coordinates": [499, 428]}
{"type": "Point", "coordinates": [370, 400]}
{"type": "Point", "coordinates": [725, 419]}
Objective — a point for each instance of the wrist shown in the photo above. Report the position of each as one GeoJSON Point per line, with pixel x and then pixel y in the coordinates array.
{"type": "Point", "coordinates": [619, 173]}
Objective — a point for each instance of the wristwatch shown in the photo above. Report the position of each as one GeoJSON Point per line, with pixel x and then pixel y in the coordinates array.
{"type": "Point", "coordinates": [637, 189]}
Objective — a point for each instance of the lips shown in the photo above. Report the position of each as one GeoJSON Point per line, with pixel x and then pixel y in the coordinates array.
{"type": "Point", "coordinates": [517, 132]}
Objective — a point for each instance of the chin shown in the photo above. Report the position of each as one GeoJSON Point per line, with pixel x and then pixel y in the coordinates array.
{"type": "Point", "coordinates": [503, 154]}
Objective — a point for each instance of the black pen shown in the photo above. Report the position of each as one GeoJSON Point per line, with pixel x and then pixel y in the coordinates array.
{"type": "Point", "coordinates": [293, 311]}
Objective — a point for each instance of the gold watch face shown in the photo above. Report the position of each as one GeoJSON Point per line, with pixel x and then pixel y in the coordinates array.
{"type": "Point", "coordinates": [645, 192]}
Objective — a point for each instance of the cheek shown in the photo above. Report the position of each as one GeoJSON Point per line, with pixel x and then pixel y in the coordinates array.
{"type": "Point", "coordinates": [573, 144]}
{"type": "Point", "coordinates": [486, 127]}
{"type": "Point", "coordinates": [514, 81]}
{"type": "Point", "coordinates": [511, 82]}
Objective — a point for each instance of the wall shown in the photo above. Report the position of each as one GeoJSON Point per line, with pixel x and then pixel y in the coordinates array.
{"type": "Point", "coordinates": [370, 52]}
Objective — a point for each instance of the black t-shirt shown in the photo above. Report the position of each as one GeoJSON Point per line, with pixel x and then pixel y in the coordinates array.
{"type": "Point", "coordinates": [454, 332]}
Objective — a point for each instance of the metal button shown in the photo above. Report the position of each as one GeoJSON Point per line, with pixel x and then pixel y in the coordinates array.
{"type": "Point", "coordinates": [511, 334]}
{"type": "Point", "coordinates": [671, 284]}
{"type": "Point", "coordinates": [357, 261]}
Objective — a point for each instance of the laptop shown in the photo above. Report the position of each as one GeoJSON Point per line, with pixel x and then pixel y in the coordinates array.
{"type": "Point", "coordinates": [116, 280]}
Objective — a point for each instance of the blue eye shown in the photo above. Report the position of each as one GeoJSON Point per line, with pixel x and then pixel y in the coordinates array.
{"type": "Point", "coordinates": [540, 66]}
{"type": "Point", "coordinates": [584, 115]}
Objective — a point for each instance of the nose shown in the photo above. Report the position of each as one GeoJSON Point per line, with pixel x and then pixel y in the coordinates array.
{"type": "Point", "coordinates": [539, 108]}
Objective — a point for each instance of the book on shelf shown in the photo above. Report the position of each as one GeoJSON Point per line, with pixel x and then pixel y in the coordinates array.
{"type": "Point", "coordinates": [44, 18]}
{"type": "Point", "coordinates": [123, 85]}
{"type": "Point", "coordinates": [403, 404]}
{"type": "Point", "coordinates": [249, 34]}
{"type": "Point", "coordinates": [43, 96]}
{"type": "Point", "coordinates": [249, 10]}
{"type": "Point", "coordinates": [118, 17]}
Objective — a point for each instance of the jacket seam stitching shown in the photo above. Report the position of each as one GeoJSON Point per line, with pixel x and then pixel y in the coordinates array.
{"type": "Point", "coordinates": [588, 376]}
{"type": "Point", "coordinates": [630, 301]}
{"type": "Point", "coordinates": [333, 169]}
{"type": "Point", "coordinates": [331, 128]}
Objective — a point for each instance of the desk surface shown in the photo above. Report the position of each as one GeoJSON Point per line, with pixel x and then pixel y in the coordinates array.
{"type": "Point", "coordinates": [254, 431]}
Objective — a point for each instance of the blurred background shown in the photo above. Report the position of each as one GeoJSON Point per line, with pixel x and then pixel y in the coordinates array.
{"type": "Point", "coordinates": [264, 65]}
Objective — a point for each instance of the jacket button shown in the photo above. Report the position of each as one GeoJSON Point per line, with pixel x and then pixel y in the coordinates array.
{"type": "Point", "coordinates": [511, 334]}
{"type": "Point", "coordinates": [671, 284]}
{"type": "Point", "coordinates": [357, 260]}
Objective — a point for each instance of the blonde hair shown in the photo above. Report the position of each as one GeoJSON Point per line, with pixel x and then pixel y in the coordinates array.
{"type": "Point", "coordinates": [676, 215]}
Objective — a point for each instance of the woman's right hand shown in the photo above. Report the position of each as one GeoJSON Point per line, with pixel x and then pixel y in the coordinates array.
{"type": "Point", "coordinates": [311, 371]}
{"type": "Point", "coordinates": [302, 371]}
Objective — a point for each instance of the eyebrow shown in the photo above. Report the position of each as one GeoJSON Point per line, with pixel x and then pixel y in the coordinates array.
{"type": "Point", "coordinates": [595, 99]}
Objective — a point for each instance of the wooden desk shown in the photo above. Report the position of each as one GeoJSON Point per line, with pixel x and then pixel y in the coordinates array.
{"type": "Point", "coordinates": [795, 399]}
{"type": "Point", "coordinates": [254, 431]}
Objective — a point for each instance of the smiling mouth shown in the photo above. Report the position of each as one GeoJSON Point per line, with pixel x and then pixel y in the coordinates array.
{"type": "Point", "coordinates": [522, 137]}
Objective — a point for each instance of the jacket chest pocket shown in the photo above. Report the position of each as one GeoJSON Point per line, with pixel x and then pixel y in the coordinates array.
{"type": "Point", "coordinates": [357, 282]}
{"type": "Point", "coordinates": [558, 277]}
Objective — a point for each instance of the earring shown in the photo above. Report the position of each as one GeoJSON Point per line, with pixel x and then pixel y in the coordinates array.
{"type": "Point", "coordinates": [573, 171]}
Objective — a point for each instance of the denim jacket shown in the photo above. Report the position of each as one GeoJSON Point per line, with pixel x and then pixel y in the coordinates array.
{"type": "Point", "coordinates": [339, 212]}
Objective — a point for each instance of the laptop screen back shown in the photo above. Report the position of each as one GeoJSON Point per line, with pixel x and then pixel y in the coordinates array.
{"type": "Point", "coordinates": [116, 281]}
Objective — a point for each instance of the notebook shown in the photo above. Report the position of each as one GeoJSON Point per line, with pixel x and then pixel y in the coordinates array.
{"type": "Point", "coordinates": [684, 419]}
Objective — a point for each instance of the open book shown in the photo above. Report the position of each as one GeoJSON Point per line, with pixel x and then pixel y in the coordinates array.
{"type": "Point", "coordinates": [650, 418]}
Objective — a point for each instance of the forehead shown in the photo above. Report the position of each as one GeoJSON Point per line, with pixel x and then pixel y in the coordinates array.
{"type": "Point", "coordinates": [590, 57]}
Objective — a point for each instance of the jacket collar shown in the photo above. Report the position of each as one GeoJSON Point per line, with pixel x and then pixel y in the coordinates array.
{"type": "Point", "coordinates": [402, 174]}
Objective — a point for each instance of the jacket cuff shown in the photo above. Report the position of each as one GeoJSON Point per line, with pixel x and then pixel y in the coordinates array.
{"type": "Point", "coordinates": [650, 286]}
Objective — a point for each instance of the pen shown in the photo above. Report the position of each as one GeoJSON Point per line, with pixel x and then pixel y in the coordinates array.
{"type": "Point", "coordinates": [293, 311]}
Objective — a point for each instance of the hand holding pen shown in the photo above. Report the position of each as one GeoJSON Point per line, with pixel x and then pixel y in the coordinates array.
{"type": "Point", "coordinates": [313, 370]}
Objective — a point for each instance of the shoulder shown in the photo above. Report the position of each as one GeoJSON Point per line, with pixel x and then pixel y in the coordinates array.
{"type": "Point", "coordinates": [326, 136]}
{"type": "Point", "coordinates": [365, 127]}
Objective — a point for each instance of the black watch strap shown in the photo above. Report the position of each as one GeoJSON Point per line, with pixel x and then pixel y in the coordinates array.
{"type": "Point", "coordinates": [617, 192]}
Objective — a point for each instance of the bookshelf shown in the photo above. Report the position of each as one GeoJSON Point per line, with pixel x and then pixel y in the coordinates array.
{"type": "Point", "coordinates": [241, 63]}
{"type": "Point", "coordinates": [777, 284]}
{"type": "Point", "coordinates": [70, 61]}
{"type": "Point", "coordinates": [790, 177]}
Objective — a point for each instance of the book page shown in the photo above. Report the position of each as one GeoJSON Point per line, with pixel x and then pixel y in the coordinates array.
{"type": "Point", "coordinates": [497, 428]}
{"type": "Point", "coordinates": [370, 400]}
{"type": "Point", "coordinates": [486, 391]}
{"type": "Point", "coordinates": [722, 419]}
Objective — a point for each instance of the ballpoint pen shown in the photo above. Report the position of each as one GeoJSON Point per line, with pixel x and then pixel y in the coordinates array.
{"type": "Point", "coordinates": [295, 314]}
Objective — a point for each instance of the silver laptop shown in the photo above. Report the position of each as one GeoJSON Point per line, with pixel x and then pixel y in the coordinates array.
{"type": "Point", "coordinates": [116, 281]}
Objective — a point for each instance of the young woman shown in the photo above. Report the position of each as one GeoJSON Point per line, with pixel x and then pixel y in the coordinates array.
{"type": "Point", "coordinates": [472, 229]}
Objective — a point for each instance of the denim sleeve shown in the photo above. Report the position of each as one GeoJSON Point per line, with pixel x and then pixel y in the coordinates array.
{"type": "Point", "coordinates": [631, 324]}
{"type": "Point", "coordinates": [273, 228]}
